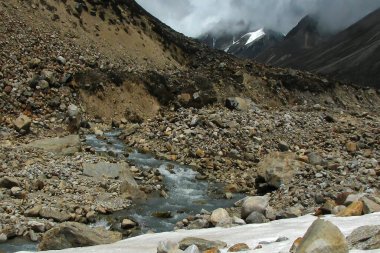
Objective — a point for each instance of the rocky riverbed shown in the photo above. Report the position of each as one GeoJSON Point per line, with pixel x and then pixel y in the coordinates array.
{"type": "Point", "coordinates": [294, 142]}
{"type": "Point", "coordinates": [301, 159]}
{"type": "Point", "coordinates": [94, 181]}
{"type": "Point", "coordinates": [323, 151]}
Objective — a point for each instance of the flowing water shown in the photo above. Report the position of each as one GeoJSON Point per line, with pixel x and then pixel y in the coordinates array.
{"type": "Point", "coordinates": [186, 195]}
{"type": "Point", "coordinates": [17, 244]}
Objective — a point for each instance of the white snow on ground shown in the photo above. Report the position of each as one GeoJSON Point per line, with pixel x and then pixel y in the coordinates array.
{"type": "Point", "coordinates": [255, 36]}
{"type": "Point", "coordinates": [250, 234]}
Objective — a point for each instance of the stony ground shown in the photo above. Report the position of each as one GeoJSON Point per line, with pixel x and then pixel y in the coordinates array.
{"type": "Point", "coordinates": [58, 79]}
{"type": "Point", "coordinates": [339, 148]}
{"type": "Point", "coordinates": [336, 151]}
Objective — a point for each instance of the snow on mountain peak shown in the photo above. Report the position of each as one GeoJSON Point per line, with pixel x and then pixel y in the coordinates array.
{"type": "Point", "coordinates": [255, 36]}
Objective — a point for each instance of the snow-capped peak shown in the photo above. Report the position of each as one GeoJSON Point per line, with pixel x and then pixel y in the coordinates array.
{"type": "Point", "coordinates": [253, 36]}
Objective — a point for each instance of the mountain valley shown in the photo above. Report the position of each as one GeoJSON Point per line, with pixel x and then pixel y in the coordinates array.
{"type": "Point", "coordinates": [104, 108]}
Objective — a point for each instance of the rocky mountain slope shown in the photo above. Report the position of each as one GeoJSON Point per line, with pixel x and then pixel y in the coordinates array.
{"type": "Point", "coordinates": [351, 55]}
{"type": "Point", "coordinates": [116, 46]}
{"type": "Point", "coordinates": [69, 69]}
{"type": "Point", "coordinates": [303, 37]}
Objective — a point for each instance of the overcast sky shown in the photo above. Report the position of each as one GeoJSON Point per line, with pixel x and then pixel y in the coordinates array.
{"type": "Point", "coordinates": [195, 17]}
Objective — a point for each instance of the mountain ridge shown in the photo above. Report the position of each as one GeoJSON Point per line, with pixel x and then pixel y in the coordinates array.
{"type": "Point", "coordinates": [351, 55]}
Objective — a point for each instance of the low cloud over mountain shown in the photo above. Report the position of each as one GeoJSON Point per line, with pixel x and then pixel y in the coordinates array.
{"type": "Point", "coordinates": [196, 17]}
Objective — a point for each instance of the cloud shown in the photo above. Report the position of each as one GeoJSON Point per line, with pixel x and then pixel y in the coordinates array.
{"type": "Point", "coordinates": [195, 17]}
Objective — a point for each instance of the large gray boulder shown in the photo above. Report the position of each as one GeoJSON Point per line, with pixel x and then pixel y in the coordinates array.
{"type": "Point", "coordinates": [72, 235]}
{"type": "Point", "coordinates": [256, 218]}
{"type": "Point", "coordinates": [323, 237]}
{"type": "Point", "coordinates": [67, 145]}
{"type": "Point", "coordinates": [370, 206]}
{"type": "Point", "coordinates": [278, 168]}
{"type": "Point", "coordinates": [254, 204]}
{"type": "Point", "coordinates": [220, 215]}
{"type": "Point", "coordinates": [365, 238]}
{"type": "Point", "coordinates": [108, 170]}
{"type": "Point", "coordinates": [118, 171]}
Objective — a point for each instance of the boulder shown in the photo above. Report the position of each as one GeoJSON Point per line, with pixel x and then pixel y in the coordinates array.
{"type": "Point", "coordinates": [291, 212]}
{"type": "Point", "coordinates": [314, 158]}
{"type": "Point", "coordinates": [238, 247]}
{"type": "Point", "coordinates": [192, 249]}
{"type": "Point", "coordinates": [238, 221]}
{"type": "Point", "coordinates": [352, 198]}
{"type": "Point", "coordinates": [67, 145]}
{"type": "Point", "coordinates": [254, 204]}
{"type": "Point", "coordinates": [72, 235]}
{"type": "Point", "coordinates": [43, 84]}
{"type": "Point", "coordinates": [168, 247]}
{"type": "Point", "coordinates": [17, 192]}
{"type": "Point", "coordinates": [370, 206]}
{"type": "Point", "coordinates": [198, 224]}
{"type": "Point", "coordinates": [49, 76]}
{"type": "Point", "coordinates": [54, 213]}
{"type": "Point", "coordinates": [120, 171]}
{"type": "Point", "coordinates": [278, 168]}
{"type": "Point", "coordinates": [355, 209]}
{"type": "Point", "coordinates": [351, 147]}
{"type": "Point", "coordinates": [61, 60]}
{"type": "Point", "coordinates": [323, 237]}
{"type": "Point", "coordinates": [338, 209]}
{"type": "Point", "coordinates": [237, 103]}
{"type": "Point", "coordinates": [108, 170]}
{"type": "Point", "coordinates": [202, 244]}
{"type": "Point", "coordinates": [328, 206]}
{"type": "Point", "coordinates": [9, 182]}
{"type": "Point", "coordinates": [220, 215]}
{"type": "Point", "coordinates": [36, 226]}
{"type": "Point", "coordinates": [22, 123]}
{"type": "Point", "coordinates": [74, 118]}
{"type": "Point", "coordinates": [128, 224]}
{"type": "Point", "coordinates": [33, 212]}
{"type": "Point", "coordinates": [256, 218]}
{"type": "Point", "coordinates": [212, 250]}
{"type": "Point", "coordinates": [32, 235]}
{"type": "Point", "coordinates": [365, 238]}
{"type": "Point", "coordinates": [283, 146]}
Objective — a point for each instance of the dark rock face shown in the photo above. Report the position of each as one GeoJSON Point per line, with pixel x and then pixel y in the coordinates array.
{"type": "Point", "coordinates": [302, 37]}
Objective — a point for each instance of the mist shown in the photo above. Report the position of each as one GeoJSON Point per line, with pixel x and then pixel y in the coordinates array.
{"type": "Point", "coordinates": [197, 17]}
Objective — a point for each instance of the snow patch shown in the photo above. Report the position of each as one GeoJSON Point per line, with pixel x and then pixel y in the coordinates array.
{"type": "Point", "coordinates": [249, 234]}
{"type": "Point", "coordinates": [253, 36]}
